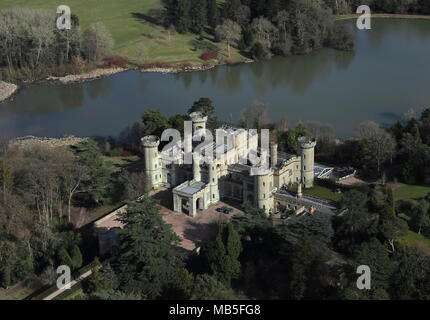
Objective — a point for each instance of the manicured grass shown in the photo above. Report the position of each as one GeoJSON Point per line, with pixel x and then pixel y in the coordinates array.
{"type": "Point", "coordinates": [136, 38]}
{"type": "Point", "coordinates": [322, 193]}
{"type": "Point", "coordinates": [414, 239]}
{"type": "Point", "coordinates": [408, 192]}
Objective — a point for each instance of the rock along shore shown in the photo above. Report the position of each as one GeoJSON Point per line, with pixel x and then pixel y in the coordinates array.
{"type": "Point", "coordinates": [94, 74]}
{"type": "Point", "coordinates": [31, 141]}
{"type": "Point", "coordinates": [7, 90]}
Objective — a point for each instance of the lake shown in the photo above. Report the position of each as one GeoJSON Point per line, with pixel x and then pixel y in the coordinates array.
{"type": "Point", "coordinates": [387, 75]}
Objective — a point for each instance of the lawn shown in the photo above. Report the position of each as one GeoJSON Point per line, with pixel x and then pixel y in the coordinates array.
{"type": "Point", "coordinates": [414, 239]}
{"type": "Point", "coordinates": [408, 192]}
{"type": "Point", "coordinates": [322, 193]}
{"type": "Point", "coordinates": [136, 38]}
{"type": "Point", "coordinates": [120, 162]}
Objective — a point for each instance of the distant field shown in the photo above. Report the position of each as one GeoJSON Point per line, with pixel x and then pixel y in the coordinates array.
{"type": "Point", "coordinates": [136, 38]}
{"type": "Point", "coordinates": [408, 192]}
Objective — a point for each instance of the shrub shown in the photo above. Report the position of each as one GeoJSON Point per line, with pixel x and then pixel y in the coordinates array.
{"type": "Point", "coordinates": [209, 55]}
{"type": "Point", "coordinates": [76, 257]}
{"type": "Point", "coordinates": [63, 258]}
{"type": "Point", "coordinates": [259, 51]}
{"type": "Point", "coordinates": [155, 64]}
{"type": "Point", "coordinates": [112, 62]}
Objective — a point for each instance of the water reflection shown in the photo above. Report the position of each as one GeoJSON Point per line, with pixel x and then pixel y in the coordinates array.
{"type": "Point", "coordinates": [386, 76]}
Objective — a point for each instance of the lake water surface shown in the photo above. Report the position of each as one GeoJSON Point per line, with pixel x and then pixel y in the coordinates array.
{"type": "Point", "coordinates": [387, 75]}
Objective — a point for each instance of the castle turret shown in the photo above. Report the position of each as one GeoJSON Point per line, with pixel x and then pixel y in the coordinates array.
{"type": "Point", "coordinates": [264, 199]}
{"type": "Point", "coordinates": [153, 167]}
{"type": "Point", "coordinates": [307, 147]}
{"type": "Point", "coordinates": [199, 121]}
{"type": "Point", "coordinates": [213, 182]}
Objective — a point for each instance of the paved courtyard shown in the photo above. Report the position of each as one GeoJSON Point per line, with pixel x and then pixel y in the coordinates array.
{"type": "Point", "coordinates": [193, 231]}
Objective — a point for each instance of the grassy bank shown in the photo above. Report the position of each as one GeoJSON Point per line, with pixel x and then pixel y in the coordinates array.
{"type": "Point", "coordinates": [136, 37]}
{"type": "Point", "coordinates": [409, 192]}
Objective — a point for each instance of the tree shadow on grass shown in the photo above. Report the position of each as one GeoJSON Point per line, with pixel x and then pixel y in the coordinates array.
{"type": "Point", "coordinates": [153, 16]}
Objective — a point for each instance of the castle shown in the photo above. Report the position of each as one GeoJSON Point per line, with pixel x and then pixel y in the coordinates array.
{"type": "Point", "coordinates": [199, 185]}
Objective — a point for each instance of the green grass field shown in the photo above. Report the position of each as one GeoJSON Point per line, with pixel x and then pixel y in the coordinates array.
{"type": "Point", "coordinates": [322, 193]}
{"type": "Point", "coordinates": [136, 39]}
{"type": "Point", "coordinates": [408, 192]}
{"type": "Point", "coordinates": [414, 239]}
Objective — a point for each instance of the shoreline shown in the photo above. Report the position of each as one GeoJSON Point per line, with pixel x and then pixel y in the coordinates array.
{"type": "Point", "coordinates": [87, 76]}
{"type": "Point", "coordinates": [7, 90]}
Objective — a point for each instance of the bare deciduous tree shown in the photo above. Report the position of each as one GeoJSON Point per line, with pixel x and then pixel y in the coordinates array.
{"type": "Point", "coordinates": [97, 42]}
{"type": "Point", "coordinates": [255, 116]}
{"type": "Point", "coordinates": [378, 144]}
{"type": "Point", "coordinates": [229, 32]}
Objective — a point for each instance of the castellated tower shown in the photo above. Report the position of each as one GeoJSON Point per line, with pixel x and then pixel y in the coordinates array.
{"type": "Point", "coordinates": [262, 183]}
{"type": "Point", "coordinates": [199, 121]}
{"type": "Point", "coordinates": [153, 166]}
{"type": "Point", "coordinates": [213, 182]}
{"type": "Point", "coordinates": [307, 147]}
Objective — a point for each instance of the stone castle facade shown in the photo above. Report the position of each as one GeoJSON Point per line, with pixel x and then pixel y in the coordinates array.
{"type": "Point", "coordinates": [199, 185]}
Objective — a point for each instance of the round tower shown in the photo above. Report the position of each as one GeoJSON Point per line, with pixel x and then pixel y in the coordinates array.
{"type": "Point", "coordinates": [262, 181]}
{"type": "Point", "coordinates": [199, 121]}
{"type": "Point", "coordinates": [307, 148]}
{"type": "Point", "coordinates": [153, 168]}
{"type": "Point", "coordinates": [213, 182]}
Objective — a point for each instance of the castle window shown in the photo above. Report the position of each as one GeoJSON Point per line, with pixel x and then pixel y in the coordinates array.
{"type": "Point", "coordinates": [264, 184]}
{"type": "Point", "coordinates": [264, 196]}
{"type": "Point", "coordinates": [213, 180]}
{"type": "Point", "coordinates": [213, 196]}
{"type": "Point", "coordinates": [304, 156]}
{"type": "Point", "coordinates": [304, 167]}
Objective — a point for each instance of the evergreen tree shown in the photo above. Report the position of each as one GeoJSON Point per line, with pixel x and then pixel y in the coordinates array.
{"type": "Point", "coordinates": [90, 156]}
{"type": "Point", "coordinates": [182, 16]}
{"type": "Point", "coordinates": [212, 13]}
{"type": "Point", "coordinates": [198, 15]}
{"type": "Point", "coordinates": [76, 256]}
{"type": "Point", "coordinates": [147, 261]}
{"type": "Point", "coordinates": [222, 255]}
{"type": "Point", "coordinates": [64, 258]}
{"type": "Point", "coordinates": [206, 106]}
